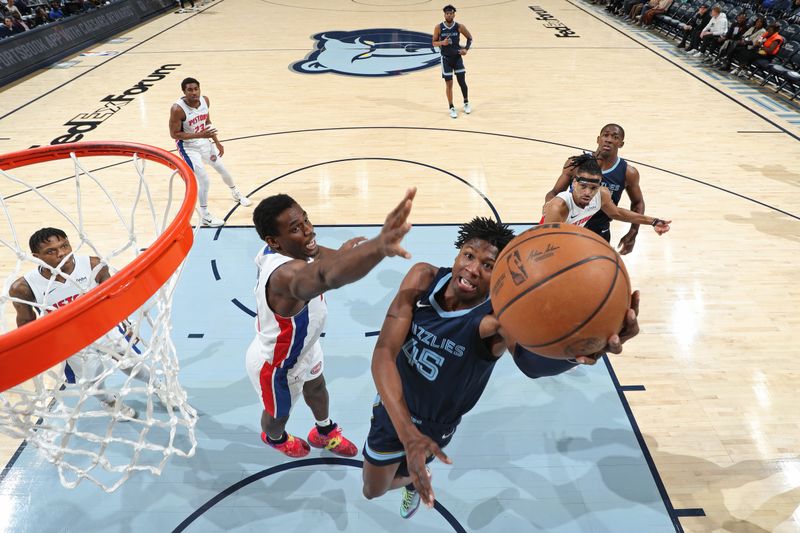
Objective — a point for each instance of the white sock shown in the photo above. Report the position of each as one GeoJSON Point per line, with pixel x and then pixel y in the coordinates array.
{"type": "Point", "coordinates": [324, 423]}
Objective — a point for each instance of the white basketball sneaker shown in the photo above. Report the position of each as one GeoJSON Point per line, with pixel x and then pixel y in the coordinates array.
{"type": "Point", "coordinates": [453, 112]}
{"type": "Point", "coordinates": [125, 411]}
{"type": "Point", "coordinates": [467, 108]}
{"type": "Point", "coordinates": [210, 221]}
{"type": "Point", "coordinates": [243, 200]}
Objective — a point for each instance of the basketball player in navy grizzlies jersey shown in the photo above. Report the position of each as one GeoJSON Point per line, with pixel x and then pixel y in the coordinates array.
{"type": "Point", "coordinates": [433, 358]}
{"type": "Point", "coordinates": [64, 278]}
{"type": "Point", "coordinates": [284, 360]}
{"type": "Point", "coordinates": [586, 198]}
{"type": "Point", "coordinates": [190, 126]}
{"type": "Point", "coordinates": [618, 175]}
{"type": "Point", "coordinates": [446, 36]}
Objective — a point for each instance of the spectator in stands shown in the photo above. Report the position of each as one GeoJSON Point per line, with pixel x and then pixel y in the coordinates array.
{"type": "Point", "coordinates": [714, 32]}
{"type": "Point", "coordinates": [768, 49]}
{"type": "Point", "coordinates": [8, 28]}
{"type": "Point", "coordinates": [735, 32]}
{"type": "Point", "coordinates": [691, 31]}
{"type": "Point", "coordinates": [752, 37]}
{"type": "Point", "coordinates": [794, 16]}
{"type": "Point", "coordinates": [776, 7]}
{"type": "Point", "coordinates": [75, 7]}
{"type": "Point", "coordinates": [181, 9]}
{"type": "Point", "coordinates": [614, 6]}
{"type": "Point", "coordinates": [55, 11]}
{"type": "Point", "coordinates": [19, 23]}
{"type": "Point", "coordinates": [22, 5]}
{"type": "Point", "coordinates": [639, 9]}
{"type": "Point", "coordinates": [628, 5]}
{"type": "Point", "coordinates": [40, 17]}
{"type": "Point", "coordinates": [9, 10]}
{"type": "Point", "coordinates": [648, 17]}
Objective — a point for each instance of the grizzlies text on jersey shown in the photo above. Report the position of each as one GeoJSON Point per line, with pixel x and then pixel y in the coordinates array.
{"type": "Point", "coordinates": [444, 364]}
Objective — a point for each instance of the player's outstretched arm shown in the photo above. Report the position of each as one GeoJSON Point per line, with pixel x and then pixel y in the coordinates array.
{"type": "Point", "coordinates": [393, 333]}
{"type": "Point", "coordinates": [305, 281]}
{"type": "Point", "coordinates": [627, 242]}
{"type": "Point", "coordinates": [618, 213]}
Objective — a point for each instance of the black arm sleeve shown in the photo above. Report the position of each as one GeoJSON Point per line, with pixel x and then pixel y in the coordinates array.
{"type": "Point", "coordinates": [537, 366]}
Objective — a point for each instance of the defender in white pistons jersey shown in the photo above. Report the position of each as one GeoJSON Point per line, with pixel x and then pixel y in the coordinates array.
{"type": "Point", "coordinates": [284, 359]}
{"type": "Point", "coordinates": [190, 126]}
{"type": "Point", "coordinates": [65, 278]}
{"type": "Point", "coordinates": [587, 197]}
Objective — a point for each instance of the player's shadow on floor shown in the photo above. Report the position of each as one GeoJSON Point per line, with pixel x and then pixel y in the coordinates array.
{"type": "Point", "coordinates": [770, 223]}
{"type": "Point", "coordinates": [721, 481]}
{"type": "Point", "coordinates": [777, 173]}
{"type": "Point", "coordinates": [548, 505]}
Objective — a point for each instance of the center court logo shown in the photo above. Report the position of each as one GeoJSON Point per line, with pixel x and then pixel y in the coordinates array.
{"type": "Point", "coordinates": [372, 52]}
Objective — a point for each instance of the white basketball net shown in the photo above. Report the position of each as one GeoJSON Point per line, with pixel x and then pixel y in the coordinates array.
{"type": "Point", "coordinates": [86, 428]}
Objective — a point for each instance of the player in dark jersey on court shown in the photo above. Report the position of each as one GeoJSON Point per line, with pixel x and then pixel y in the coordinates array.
{"type": "Point", "coordinates": [446, 36]}
{"type": "Point", "coordinates": [618, 175]}
{"type": "Point", "coordinates": [433, 358]}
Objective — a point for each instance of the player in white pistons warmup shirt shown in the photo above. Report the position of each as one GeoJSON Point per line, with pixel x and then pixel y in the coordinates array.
{"type": "Point", "coordinates": [587, 197]}
{"type": "Point", "coordinates": [284, 359]}
{"type": "Point", "coordinates": [190, 126]}
{"type": "Point", "coordinates": [50, 289]}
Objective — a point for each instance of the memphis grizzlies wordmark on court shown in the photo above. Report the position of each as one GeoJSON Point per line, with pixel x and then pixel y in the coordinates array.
{"type": "Point", "coordinates": [370, 52]}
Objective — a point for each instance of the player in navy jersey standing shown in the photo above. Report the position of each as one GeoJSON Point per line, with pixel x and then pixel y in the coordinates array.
{"type": "Point", "coordinates": [446, 36]}
{"type": "Point", "coordinates": [618, 175]}
{"type": "Point", "coordinates": [433, 358]}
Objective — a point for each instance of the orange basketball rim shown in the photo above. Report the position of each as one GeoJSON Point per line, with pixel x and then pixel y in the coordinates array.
{"type": "Point", "coordinates": [30, 350]}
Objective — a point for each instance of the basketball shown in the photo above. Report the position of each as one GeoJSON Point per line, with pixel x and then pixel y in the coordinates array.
{"type": "Point", "coordinates": [560, 290]}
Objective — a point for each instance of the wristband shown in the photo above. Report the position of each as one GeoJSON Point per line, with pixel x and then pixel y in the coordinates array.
{"type": "Point", "coordinates": [657, 221]}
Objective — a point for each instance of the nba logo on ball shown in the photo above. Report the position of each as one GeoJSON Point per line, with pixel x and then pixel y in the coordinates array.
{"type": "Point", "coordinates": [516, 268]}
{"type": "Point", "coordinates": [569, 292]}
{"type": "Point", "coordinates": [371, 52]}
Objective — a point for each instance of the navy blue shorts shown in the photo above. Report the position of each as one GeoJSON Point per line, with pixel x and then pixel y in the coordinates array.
{"type": "Point", "coordinates": [383, 446]}
{"type": "Point", "coordinates": [451, 64]}
{"type": "Point", "coordinates": [602, 228]}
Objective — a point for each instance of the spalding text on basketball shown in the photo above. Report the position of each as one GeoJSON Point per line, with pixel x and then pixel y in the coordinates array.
{"type": "Point", "coordinates": [539, 255]}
